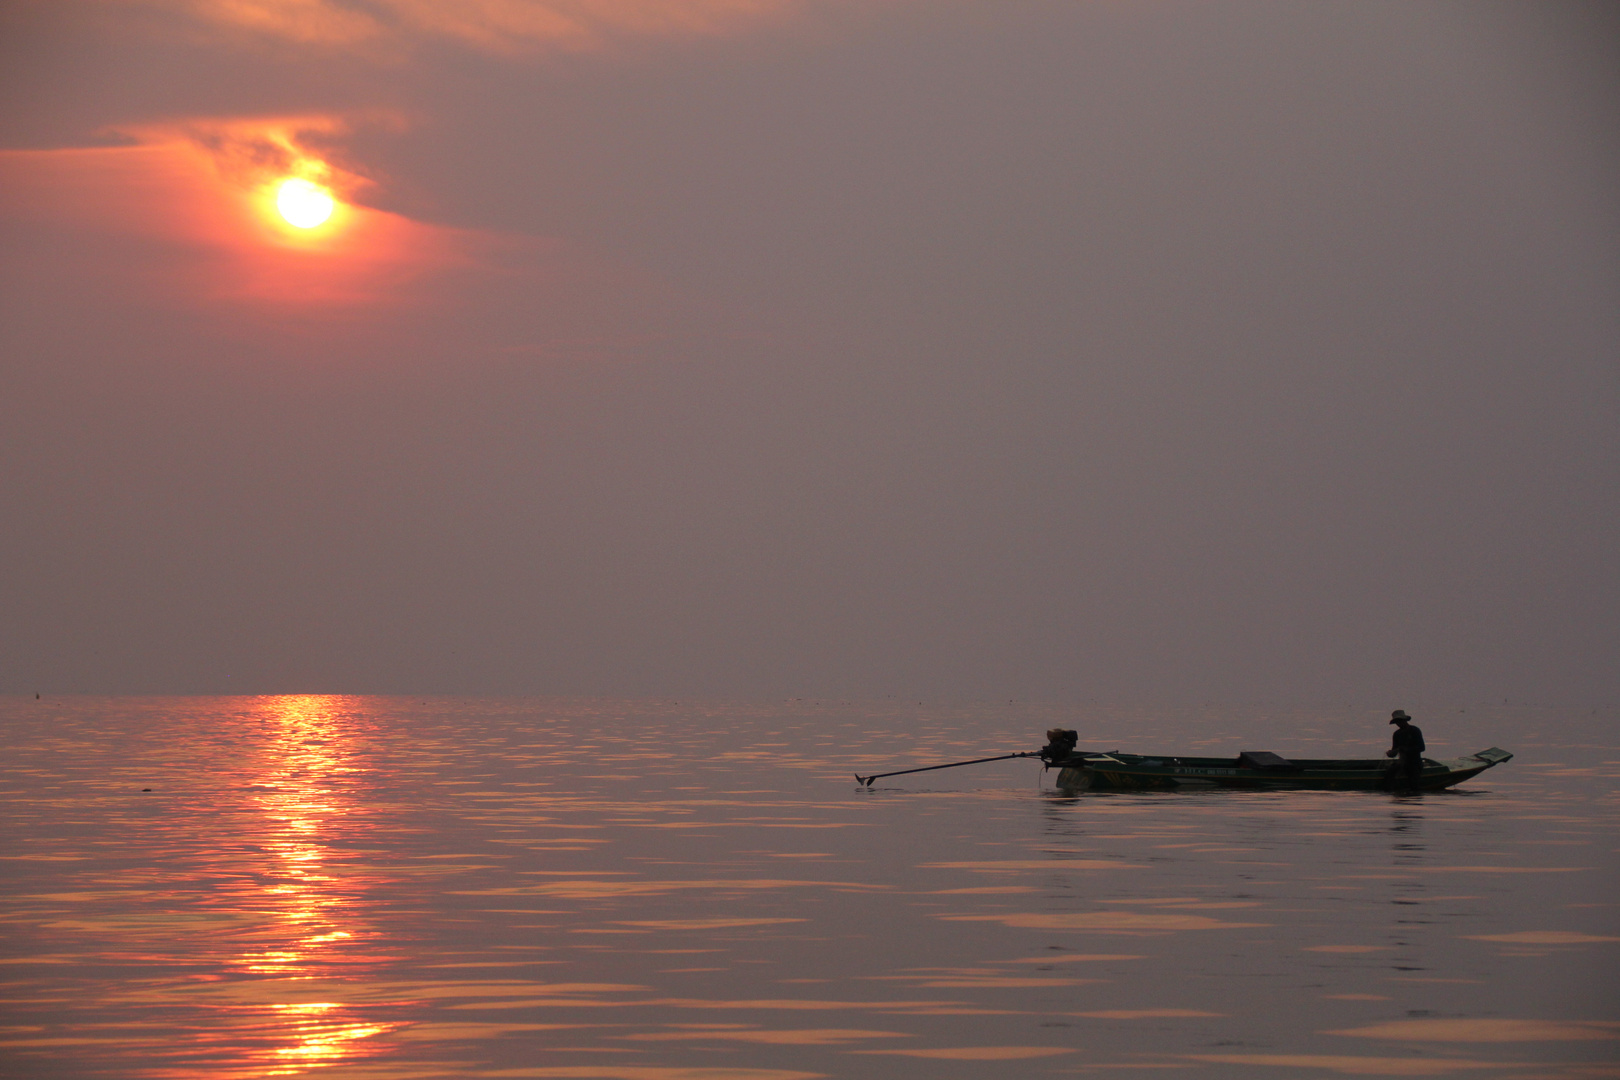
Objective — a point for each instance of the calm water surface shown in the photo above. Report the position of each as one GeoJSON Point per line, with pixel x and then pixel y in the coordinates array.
{"type": "Point", "coordinates": [397, 888]}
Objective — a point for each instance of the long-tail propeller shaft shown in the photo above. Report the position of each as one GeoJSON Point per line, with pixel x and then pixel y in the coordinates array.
{"type": "Point", "coordinates": [867, 780]}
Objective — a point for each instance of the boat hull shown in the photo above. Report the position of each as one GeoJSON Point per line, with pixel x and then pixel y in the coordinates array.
{"type": "Point", "coordinates": [1141, 772]}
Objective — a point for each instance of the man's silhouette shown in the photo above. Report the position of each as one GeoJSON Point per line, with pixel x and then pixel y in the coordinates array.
{"type": "Point", "coordinates": [1407, 748]}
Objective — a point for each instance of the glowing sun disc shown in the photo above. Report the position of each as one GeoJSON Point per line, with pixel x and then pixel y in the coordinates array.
{"type": "Point", "coordinates": [303, 204]}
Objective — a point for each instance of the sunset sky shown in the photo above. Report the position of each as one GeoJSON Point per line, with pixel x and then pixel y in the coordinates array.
{"type": "Point", "coordinates": [1059, 349]}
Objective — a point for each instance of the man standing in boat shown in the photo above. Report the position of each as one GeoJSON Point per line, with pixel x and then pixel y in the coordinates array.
{"type": "Point", "coordinates": [1407, 748]}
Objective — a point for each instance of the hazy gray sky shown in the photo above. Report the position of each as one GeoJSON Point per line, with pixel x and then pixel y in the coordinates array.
{"type": "Point", "coordinates": [1067, 350]}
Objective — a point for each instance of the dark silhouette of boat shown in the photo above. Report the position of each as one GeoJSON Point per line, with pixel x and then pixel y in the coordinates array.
{"type": "Point", "coordinates": [1260, 770]}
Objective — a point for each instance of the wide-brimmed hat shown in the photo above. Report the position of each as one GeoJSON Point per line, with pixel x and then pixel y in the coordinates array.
{"type": "Point", "coordinates": [1398, 715]}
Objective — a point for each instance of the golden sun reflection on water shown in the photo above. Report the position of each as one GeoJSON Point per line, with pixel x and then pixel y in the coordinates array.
{"type": "Point", "coordinates": [313, 911]}
{"type": "Point", "coordinates": [318, 1034]}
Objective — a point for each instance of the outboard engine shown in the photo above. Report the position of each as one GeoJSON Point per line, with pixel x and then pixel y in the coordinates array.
{"type": "Point", "coordinates": [1060, 743]}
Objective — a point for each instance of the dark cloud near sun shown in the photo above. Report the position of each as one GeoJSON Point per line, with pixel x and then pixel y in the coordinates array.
{"type": "Point", "coordinates": [499, 26]}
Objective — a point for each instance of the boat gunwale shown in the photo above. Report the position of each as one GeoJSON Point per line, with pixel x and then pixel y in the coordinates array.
{"type": "Point", "coordinates": [1119, 770]}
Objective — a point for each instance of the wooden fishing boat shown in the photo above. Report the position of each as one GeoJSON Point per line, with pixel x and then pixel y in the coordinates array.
{"type": "Point", "coordinates": [1259, 770]}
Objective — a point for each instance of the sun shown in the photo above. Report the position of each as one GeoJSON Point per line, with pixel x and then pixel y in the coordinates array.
{"type": "Point", "coordinates": [304, 204]}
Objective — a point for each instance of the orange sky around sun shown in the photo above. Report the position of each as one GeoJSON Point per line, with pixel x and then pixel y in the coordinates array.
{"type": "Point", "coordinates": [192, 199]}
{"type": "Point", "coordinates": [206, 195]}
